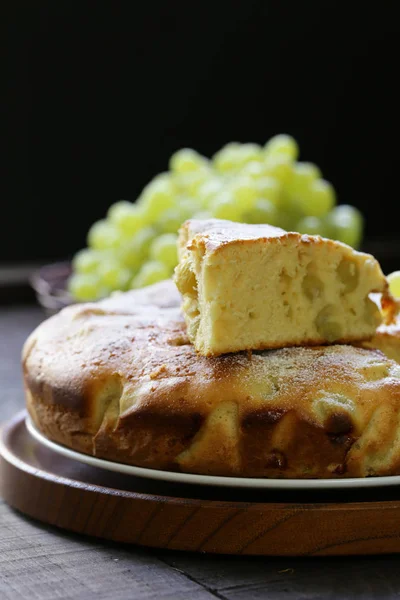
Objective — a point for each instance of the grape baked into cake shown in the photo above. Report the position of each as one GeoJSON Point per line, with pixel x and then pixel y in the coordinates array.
{"type": "Point", "coordinates": [119, 379]}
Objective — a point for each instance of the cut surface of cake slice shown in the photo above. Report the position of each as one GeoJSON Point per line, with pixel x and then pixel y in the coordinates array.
{"type": "Point", "coordinates": [250, 287]}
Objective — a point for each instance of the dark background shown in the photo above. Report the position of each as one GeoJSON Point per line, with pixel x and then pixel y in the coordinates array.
{"type": "Point", "coordinates": [99, 94]}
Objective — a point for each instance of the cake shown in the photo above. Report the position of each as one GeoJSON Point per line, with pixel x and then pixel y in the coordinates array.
{"type": "Point", "coordinates": [119, 380]}
{"type": "Point", "coordinates": [387, 339]}
{"type": "Point", "coordinates": [256, 287]}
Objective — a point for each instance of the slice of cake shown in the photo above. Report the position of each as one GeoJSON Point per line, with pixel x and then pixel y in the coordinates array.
{"type": "Point", "coordinates": [249, 287]}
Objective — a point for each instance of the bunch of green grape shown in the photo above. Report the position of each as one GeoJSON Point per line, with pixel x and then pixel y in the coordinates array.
{"type": "Point", "coordinates": [135, 245]}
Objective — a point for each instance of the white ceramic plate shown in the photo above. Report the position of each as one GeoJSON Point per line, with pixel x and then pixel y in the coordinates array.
{"type": "Point", "coordinates": [212, 480]}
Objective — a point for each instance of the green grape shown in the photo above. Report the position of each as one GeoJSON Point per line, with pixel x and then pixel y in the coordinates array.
{"type": "Point", "coordinates": [302, 176]}
{"type": "Point", "coordinates": [203, 215]}
{"type": "Point", "coordinates": [224, 208]}
{"type": "Point", "coordinates": [279, 167]}
{"type": "Point", "coordinates": [113, 275]}
{"type": "Point", "coordinates": [188, 206]}
{"type": "Point", "coordinates": [164, 250]}
{"type": "Point", "coordinates": [253, 169]}
{"type": "Point", "coordinates": [87, 260]}
{"type": "Point", "coordinates": [143, 240]}
{"type": "Point", "coordinates": [289, 214]}
{"type": "Point", "coordinates": [268, 187]}
{"type": "Point", "coordinates": [311, 226]}
{"type": "Point", "coordinates": [136, 250]}
{"type": "Point", "coordinates": [85, 287]}
{"type": "Point", "coordinates": [244, 193]}
{"type": "Point", "coordinates": [115, 208]}
{"type": "Point", "coordinates": [128, 218]}
{"type": "Point", "coordinates": [151, 272]}
{"type": "Point", "coordinates": [190, 183]}
{"type": "Point", "coordinates": [346, 224]}
{"type": "Point", "coordinates": [394, 283]}
{"type": "Point", "coordinates": [329, 227]}
{"type": "Point", "coordinates": [318, 199]}
{"type": "Point", "coordinates": [103, 236]}
{"type": "Point", "coordinates": [165, 178]}
{"type": "Point", "coordinates": [170, 221]}
{"type": "Point", "coordinates": [235, 156]}
{"type": "Point", "coordinates": [249, 153]}
{"type": "Point", "coordinates": [282, 144]}
{"type": "Point", "coordinates": [157, 197]}
{"type": "Point", "coordinates": [128, 256]}
{"type": "Point", "coordinates": [227, 159]}
{"type": "Point", "coordinates": [208, 191]}
{"type": "Point", "coordinates": [186, 160]}
{"type": "Point", "coordinates": [264, 211]}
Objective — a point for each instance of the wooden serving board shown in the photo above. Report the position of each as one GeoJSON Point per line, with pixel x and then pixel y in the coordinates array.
{"type": "Point", "coordinates": [91, 501]}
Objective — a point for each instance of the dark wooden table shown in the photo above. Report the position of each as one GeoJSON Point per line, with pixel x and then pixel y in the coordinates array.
{"type": "Point", "coordinates": [40, 563]}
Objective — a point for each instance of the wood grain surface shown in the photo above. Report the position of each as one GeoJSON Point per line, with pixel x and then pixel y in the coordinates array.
{"type": "Point", "coordinates": [43, 562]}
{"type": "Point", "coordinates": [80, 498]}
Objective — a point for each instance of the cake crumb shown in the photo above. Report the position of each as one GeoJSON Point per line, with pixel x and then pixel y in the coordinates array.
{"type": "Point", "coordinates": [157, 372]}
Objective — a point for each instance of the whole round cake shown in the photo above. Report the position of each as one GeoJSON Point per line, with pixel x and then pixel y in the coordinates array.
{"type": "Point", "coordinates": [118, 379]}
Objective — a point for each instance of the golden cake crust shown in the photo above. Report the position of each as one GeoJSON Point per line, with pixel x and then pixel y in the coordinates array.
{"type": "Point", "coordinates": [118, 379]}
{"type": "Point", "coordinates": [214, 234]}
